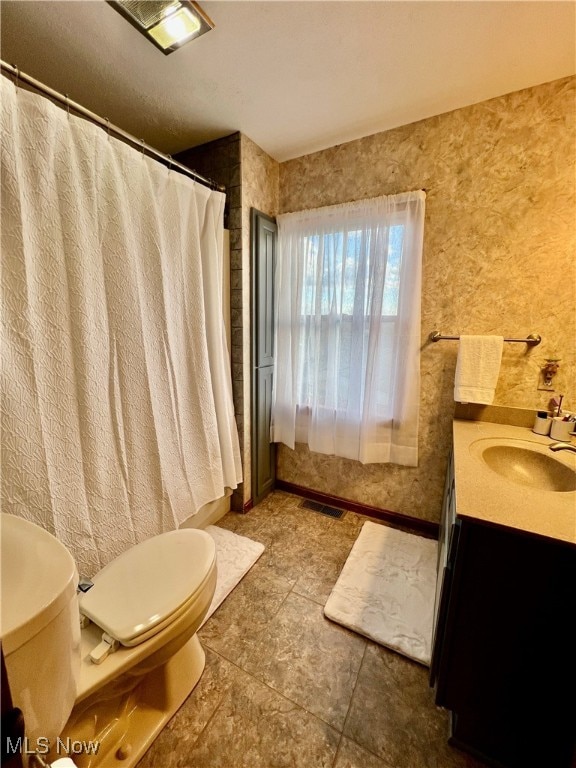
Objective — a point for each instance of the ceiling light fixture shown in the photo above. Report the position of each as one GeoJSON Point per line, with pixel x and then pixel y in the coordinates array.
{"type": "Point", "coordinates": [169, 24]}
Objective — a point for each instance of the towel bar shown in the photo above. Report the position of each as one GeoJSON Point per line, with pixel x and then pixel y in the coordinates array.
{"type": "Point", "coordinates": [532, 340]}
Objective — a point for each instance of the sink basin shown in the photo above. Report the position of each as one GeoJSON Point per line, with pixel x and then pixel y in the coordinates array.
{"type": "Point", "coordinates": [526, 463]}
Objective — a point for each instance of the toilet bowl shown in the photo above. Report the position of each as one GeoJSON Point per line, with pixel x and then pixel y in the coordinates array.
{"type": "Point", "coordinates": [147, 604]}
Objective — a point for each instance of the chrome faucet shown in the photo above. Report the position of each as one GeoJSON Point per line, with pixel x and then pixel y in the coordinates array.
{"type": "Point", "coordinates": [562, 447]}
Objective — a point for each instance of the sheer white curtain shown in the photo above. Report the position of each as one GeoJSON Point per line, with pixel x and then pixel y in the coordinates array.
{"type": "Point", "coordinates": [117, 416]}
{"type": "Point", "coordinates": [347, 371]}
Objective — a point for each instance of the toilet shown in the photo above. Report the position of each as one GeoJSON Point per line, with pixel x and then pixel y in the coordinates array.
{"type": "Point", "coordinates": [98, 673]}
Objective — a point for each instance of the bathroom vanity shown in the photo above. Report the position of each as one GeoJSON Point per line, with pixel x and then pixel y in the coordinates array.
{"type": "Point", "coordinates": [504, 653]}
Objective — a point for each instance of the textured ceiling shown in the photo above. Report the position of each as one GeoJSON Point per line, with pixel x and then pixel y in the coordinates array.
{"type": "Point", "coordinates": [293, 76]}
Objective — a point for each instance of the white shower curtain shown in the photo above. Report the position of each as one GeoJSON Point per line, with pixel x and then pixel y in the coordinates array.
{"type": "Point", "coordinates": [117, 415]}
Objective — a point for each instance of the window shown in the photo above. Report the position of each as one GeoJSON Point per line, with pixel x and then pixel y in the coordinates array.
{"type": "Point", "coordinates": [346, 314]}
{"type": "Point", "coordinates": [348, 326]}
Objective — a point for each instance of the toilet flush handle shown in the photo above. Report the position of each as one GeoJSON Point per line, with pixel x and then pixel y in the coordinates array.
{"type": "Point", "coordinates": [84, 585]}
{"type": "Point", "coordinates": [103, 649]}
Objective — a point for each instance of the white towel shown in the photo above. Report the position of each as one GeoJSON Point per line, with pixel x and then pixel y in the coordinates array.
{"type": "Point", "coordinates": [477, 368]}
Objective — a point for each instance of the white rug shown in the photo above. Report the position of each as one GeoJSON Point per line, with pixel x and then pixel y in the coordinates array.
{"type": "Point", "coordinates": [386, 590]}
{"type": "Point", "coordinates": [235, 555]}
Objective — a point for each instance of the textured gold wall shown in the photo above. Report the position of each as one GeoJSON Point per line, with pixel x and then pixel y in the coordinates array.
{"type": "Point", "coordinates": [498, 259]}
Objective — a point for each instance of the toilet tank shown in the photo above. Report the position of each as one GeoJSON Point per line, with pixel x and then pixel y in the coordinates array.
{"type": "Point", "coordinates": [40, 627]}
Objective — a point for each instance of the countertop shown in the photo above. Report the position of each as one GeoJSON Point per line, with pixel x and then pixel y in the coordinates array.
{"type": "Point", "coordinates": [483, 494]}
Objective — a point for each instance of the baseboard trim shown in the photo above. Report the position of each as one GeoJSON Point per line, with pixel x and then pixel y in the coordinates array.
{"type": "Point", "coordinates": [422, 527]}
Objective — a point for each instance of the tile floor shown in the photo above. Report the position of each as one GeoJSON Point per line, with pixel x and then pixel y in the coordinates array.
{"type": "Point", "coordinates": [286, 688]}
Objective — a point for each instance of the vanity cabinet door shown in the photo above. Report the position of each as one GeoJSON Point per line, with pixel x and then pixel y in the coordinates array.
{"type": "Point", "coordinates": [445, 521]}
{"type": "Point", "coordinates": [441, 635]}
{"type": "Point", "coordinates": [447, 540]}
{"type": "Point", "coordinates": [507, 666]}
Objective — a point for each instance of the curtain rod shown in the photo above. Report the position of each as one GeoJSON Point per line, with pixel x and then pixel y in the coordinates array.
{"type": "Point", "coordinates": [110, 128]}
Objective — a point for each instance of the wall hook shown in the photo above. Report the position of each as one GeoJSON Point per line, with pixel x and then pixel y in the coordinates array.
{"type": "Point", "coordinates": [550, 369]}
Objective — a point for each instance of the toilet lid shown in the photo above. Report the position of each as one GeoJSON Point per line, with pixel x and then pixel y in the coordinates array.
{"type": "Point", "coordinates": [145, 585]}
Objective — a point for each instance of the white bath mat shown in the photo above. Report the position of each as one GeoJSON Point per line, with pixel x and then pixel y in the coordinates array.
{"type": "Point", "coordinates": [235, 555]}
{"type": "Point", "coordinates": [386, 590]}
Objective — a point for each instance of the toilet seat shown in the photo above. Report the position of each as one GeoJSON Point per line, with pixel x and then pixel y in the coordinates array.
{"type": "Point", "coordinates": [150, 585]}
